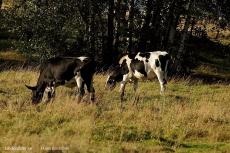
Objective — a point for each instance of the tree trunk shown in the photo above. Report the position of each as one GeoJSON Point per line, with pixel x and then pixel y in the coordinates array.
{"type": "Point", "coordinates": [155, 39]}
{"type": "Point", "coordinates": [145, 28]}
{"type": "Point", "coordinates": [92, 14]}
{"type": "Point", "coordinates": [172, 32]}
{"type": "Point", "coordinates": [178, 58]}
{"type": "Point", "coordinates": [130, 26]}
{"type": "Point", "coordinates": [85, 15]}
{"type": "Point", "coordinates": [167, 25]}
{"type": "Point", "coordinates": [118, 26]}
{"type": "Point", "coordinates": [108, 55]}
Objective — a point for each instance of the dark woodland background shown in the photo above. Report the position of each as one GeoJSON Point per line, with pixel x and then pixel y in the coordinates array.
{"type": "Point", "coordinates": [108, 29]}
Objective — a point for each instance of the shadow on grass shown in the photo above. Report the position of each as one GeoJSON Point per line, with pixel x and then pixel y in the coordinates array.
{"type": "Point", "coordinates": [11, 60]}
{"type": "Point", "coordinates": [205, 147]}
{"type": "Point", "coordinates": [3, 92]}
{"type": "Point", "coordinates": [167, 144]}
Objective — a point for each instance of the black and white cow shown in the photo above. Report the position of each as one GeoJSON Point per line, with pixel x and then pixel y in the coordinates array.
{"type": "Point", "coordinates": [141, 65]}
{"type": "Point", "coordinates": [67, 71]}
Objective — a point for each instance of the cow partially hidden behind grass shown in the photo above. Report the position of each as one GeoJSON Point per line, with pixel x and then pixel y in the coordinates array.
{"type": "Point", "coordinates": [141, 65]}
{"type": "Point", "coordinates": [67, 71]}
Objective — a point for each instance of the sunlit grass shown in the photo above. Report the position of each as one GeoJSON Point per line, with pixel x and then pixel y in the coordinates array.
{"type": "Point", "coordinates": [11, 55]}
{"type": "Point", "coordinates": [190, 117]}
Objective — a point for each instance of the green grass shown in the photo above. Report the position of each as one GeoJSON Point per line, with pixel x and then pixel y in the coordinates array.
{"type": "Point", "coordinates": [190, 117]}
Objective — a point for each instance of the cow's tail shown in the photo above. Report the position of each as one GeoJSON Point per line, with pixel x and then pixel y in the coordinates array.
{"type": "Point", "coordinates": [87, 60]}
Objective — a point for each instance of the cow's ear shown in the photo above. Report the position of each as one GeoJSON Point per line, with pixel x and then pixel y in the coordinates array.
{"type": "Point", "coordinates": [31, 88]}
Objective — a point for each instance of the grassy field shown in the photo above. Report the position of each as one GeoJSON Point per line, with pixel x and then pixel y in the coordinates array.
{"type": "Point", "coordinates": [190, 117]}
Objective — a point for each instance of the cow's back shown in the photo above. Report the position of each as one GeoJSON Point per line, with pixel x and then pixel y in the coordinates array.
{"type": "Point", "coordinates": [63, 68]}
{"type": "Point", "coordinates": [144, 65]}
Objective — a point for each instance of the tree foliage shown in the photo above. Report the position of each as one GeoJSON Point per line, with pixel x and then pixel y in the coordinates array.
{"type": "Point", "coordinates": [107, 29]}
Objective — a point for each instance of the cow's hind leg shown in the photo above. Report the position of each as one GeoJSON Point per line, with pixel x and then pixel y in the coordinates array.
{"type": "Point", "coordinates": [80, 85]}
{"type": "Point", "coordinates": [91, 90]}
{"type": "Point", "coordinates": [162, 80]}
{"type": "Point", "coordinates": [82, 93]}
{"type": "Point", "coordinates": [122, 88]}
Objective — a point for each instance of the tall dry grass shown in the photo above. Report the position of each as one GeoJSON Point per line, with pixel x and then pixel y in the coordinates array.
{"type": "Point", "coordinates": [190, 117]}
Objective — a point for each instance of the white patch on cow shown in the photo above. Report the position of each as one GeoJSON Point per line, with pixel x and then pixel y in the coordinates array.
{"type": "Point", "coordinates": [140, 58]}
{"type": "Point", "coordinates": [82, 58]}
{"type": "Point", "coordinates": [79, 80]}
{"type": "Point", "coordinates": [138, 74]}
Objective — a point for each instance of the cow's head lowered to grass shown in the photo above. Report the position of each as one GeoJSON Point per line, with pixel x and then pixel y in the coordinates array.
{"type": "Point", "coordinates": [113, 79]}
{"type": "Point", "coordinates": [36, 96]}
{"type": "Point", "coordinates": [67, 71]}
{"type": "Point", "coordinates": [41, 93]}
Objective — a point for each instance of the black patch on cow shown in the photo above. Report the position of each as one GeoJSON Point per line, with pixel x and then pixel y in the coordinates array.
{"type": "Point", "coordinates": [138, 66]}
{"type": "Point", "coordinates": [157, 63]}
{"type": "Point", "coordinates": [132, 56]}
{"type": "Point", "coordinates": [164, 81]}
{"type": "Point", "coordinates": [124, 67]}
{"type": "Point", "coordinates": [145, 55]}
{"type": "Point", "coordinates": [163, 59]}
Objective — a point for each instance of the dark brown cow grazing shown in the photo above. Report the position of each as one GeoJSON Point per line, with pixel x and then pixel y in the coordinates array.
{"type": "Point", "coordinates": [67, 71]}
{"type": "Point", "coordinates": [141, 65]}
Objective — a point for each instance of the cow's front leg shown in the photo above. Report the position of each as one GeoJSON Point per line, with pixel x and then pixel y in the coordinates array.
{"type": "Point", "coordinates": [49, 92]}
{"type": "Point", "coordinates": [122, 89]}
{"type": "Point", "coordinates": [135, 85]}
